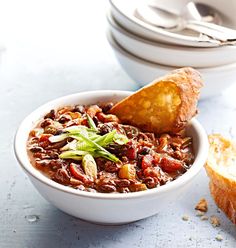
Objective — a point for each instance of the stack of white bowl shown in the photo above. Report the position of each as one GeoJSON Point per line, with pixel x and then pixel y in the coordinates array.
{"type": "Point", "coordinates": [146, 54]}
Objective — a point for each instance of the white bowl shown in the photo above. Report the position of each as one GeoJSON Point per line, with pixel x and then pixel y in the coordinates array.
{"type": "Point", "coordinates": [101, 207]}
{"type": "Point", "coordinates": [216, 79]}
{"type": "Point", "coordinates": [171, 55]}
{"type": "Point", "coordinates": [123, 11]}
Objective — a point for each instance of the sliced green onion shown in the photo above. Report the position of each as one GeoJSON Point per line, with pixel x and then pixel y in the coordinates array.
{"type": "Point", "coordinates": [120, 139]}
{"type": "Point", "coordinates": [106, 155]}
{"type": "Point", "coordinates": [99, 148]}
{"type": "Point", "coordinates": [91, 123]}
{"type": "Point", "coordinates": [106, 139]}
{"type": "Point", "coordinates": [76, 155]}
{"type": "Point", "coordinates": [70, 146]}
{"type": "Point", "coordinates": [58, 138]}
{"type": "Point", "coordinates": [89, 166]}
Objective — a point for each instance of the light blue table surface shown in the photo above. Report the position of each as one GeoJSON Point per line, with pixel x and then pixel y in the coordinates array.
{"type": "Point", "coordinates": [54, 48]}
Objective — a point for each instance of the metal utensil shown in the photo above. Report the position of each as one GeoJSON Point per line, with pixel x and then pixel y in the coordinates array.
{"type": "Point", "coordinates": [194, 16]}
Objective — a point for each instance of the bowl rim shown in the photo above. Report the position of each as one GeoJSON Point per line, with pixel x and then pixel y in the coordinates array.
{"type": "Point", "coordinates": [199, 161]}
{"type": "Point", "coordinates": [114, 44]}
{"type": "Point", "coordinates": [114, 24]}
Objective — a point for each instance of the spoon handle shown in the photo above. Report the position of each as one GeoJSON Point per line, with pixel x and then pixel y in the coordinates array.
{"type": "Point", "coordinates": [212, 30]}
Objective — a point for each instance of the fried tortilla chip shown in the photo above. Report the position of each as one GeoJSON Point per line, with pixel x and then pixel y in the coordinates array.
{"type": "Point", "coordinates": [165, 105]}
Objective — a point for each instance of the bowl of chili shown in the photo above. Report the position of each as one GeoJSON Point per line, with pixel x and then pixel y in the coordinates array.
{"type": "Point", "coordinates": [86, 163]}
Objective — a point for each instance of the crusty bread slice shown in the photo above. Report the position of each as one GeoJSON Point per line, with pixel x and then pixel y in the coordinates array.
{"type": "Point", "coordinates": [225, 201]}
{"type": "Point", "coordinates": [165, 105]}
{"type": "Point", "coordinates": [221, 162]}
{"type": "Point", "coordinates": [221, 169]}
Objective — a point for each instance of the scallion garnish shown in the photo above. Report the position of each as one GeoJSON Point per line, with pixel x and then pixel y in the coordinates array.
{"type": "Point", "coordinates": [88, 141]}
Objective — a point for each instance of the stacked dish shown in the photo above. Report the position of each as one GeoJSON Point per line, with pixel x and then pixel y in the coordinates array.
{"type": "Point", "coordinates": [146, 51]}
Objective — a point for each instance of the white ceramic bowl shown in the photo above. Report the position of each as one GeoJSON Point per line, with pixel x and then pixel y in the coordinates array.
{"type": "Point", "coordinates": [101, 207]}
{"type": "Point", "coordinates": [123, 11]}
{"type": "Point", "coordinates": [171, 55]}
{"type": "Point", "coordinates": [216, 79]}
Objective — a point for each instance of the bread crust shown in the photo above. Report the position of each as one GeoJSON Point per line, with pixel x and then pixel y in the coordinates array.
{"type": "Point", "coordinates": [220, 166]}
{"type": "Point", "coordinates": [224, 200]}
{"type": "Point", "coordinates": [165, 105]}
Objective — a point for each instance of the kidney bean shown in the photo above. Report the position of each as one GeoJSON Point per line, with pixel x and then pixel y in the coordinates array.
{"type": "Point", "coordinates": [36, 149]}
{"type": "Point", "coordinates": [64, 118]}
{"type": "Point", "coordinates": [95, 120]}
{"type": "Point", "coordinates": [130, 131]}
{"type": "Point", "coordinates": [46, 122]}
{"type": "Point", "coordinates": [107, 127]}
{"type": "Point", "coordinates": [52, 154]}
{"type": "Point", "coordinates": [145, 150]}
{"type": "Point", "coordinates": [122, 182]}
{"type": "Point", "coordinates": [107, 107]}
{"type": "Point", "coordinates": [151, 182]}
{"type": "Point", "coordinates": [56, 145]}
{"type": "Point", "coordinates": [62, 176]}
{"type": "Point", "coordinates": [55, 164]}
{"type": "Point", "coordinates": [170, 165]}
{"type": "Point", "coordinates": [107, 188]}
{"type": "Point", "coordinates": [50, 115]}
{"type": "Point", "coordinates": [151, 172]}
{"type": "Point", "coordinates": [111, 166]}
{"type": "Point", "coordinates": [79, 108]}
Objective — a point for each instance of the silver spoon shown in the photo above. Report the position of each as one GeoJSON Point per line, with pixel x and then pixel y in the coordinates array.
{"type": "Point", "coordinates": [193, 16]}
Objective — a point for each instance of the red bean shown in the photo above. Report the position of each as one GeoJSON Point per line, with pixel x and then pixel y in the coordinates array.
{"type": "Point", "coordinates": [170, 165]}
{"type": "Point", "coordinates": [107, 188]}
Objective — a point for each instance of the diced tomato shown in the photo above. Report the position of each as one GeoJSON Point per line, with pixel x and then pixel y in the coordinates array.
{"type": "Point", "coordinates": [131, 153]}
{"type": "Point", "coordinates": [147, 161]}
{"type": "Point", "coordinates": [84, 122]}
{"type": "Point", "coordinates": [171, 165]}
{"type": "Point", "coordinates": [44, 137]}
{"type": "Point", "coordinates": [93, 110]}
{"type": "Point", "coordinates": [44, 140]}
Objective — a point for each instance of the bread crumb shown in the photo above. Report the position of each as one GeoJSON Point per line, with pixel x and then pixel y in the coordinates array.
{"type": "Point", "coordinates": [215, 221]}
{"type": "Point", "coordinates": [204, 217]}
{"type": "Point", "coordinates": [199, 213]}
{"type": "Point", "coordinates": [185, 218]}
{"type": "Point", "coordinates": [219, 237]}
{"type": "Point", "coordinates": [202, 205]}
